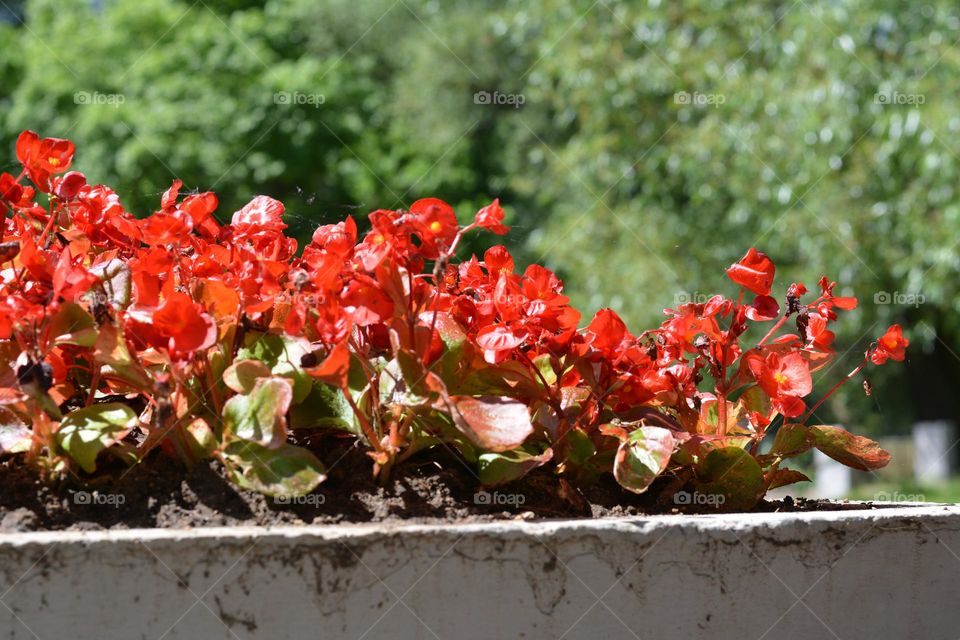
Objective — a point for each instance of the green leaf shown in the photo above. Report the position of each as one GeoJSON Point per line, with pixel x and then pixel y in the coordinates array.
{"type": "Point", "coordinates": [112, 352]}
{"type": "Point", "coordinates": [791, 440]}
{"type": "Point", "coordinates": [84, 433]}
{"type": "Point", "coordinates": [580, 446]}
{"type": "Point", "coordinates": [642, 456]}
{"type": "Point", "coordinates": [545, 366]}
{"type": "Point", "coordinates": [403, 382]}
{"type": "Point", "coordinates": [852, 450]}
{"type": "Point", "coordinates": [282, 355]}
{"type": "Point", "coordinates": [455, 344]}
{"type": "Point", "coordinates": [501, 468]}
{"type": "Point", "coordinates": [200, 439]}
{"type": "Point", "coordinates": [260, 416]}
{"type": "Point", "coordinates": [754, 399]}
{"type": "Point", "coordinates": [242, 375]}
{"type": "Point", "coordinates": [732, 473]}
{"type": "Point", "coordinates": [72, 325]}
{"type": "Point", "coordinates": [325, 407]}
{"type": "Point", "coordinates": [287, 471]}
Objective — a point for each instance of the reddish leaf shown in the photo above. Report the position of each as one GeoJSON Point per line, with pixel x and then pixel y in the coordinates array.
{"type": "Point", "coordinates": [642, 457]}
{"type": "Point", "coordinates": [493, 423]}
{"type": "Point", "coordinates": [852, 450]}
{"type": "Point", "coordinates": [783, 477]}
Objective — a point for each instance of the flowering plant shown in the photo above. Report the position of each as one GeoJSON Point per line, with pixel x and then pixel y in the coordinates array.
{"type": "Point", "coordinates": [122, 336]}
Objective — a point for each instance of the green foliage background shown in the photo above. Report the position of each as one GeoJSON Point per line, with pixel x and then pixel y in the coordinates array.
{"type": "Point", "coordinates": [823, 132]}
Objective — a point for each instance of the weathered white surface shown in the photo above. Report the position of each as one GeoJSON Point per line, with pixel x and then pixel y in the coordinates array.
{"type": "Point", "coordinates": [886, 573]}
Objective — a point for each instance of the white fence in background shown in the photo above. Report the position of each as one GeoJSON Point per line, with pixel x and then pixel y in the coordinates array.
{"type": "Point", "coordinates": [933, 450]}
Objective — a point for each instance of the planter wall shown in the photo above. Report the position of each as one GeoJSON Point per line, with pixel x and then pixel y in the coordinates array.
{"type": "Point", "coordinates": [885, 573]}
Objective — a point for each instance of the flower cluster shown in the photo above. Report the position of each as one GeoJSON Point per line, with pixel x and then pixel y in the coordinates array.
{"type": "Point", "coordinates": [178, 333]}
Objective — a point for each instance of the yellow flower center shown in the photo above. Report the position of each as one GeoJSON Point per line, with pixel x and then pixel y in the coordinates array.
{"type": "Point", "coordinates": [54, 162]}
{"type": "Point", "coordinates": [780, 377]}
{"type": "Point", "coordinates": [435, 226]}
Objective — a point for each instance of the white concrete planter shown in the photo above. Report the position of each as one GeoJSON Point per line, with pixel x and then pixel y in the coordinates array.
{"type": "Point", "coordinates": [886, 573]}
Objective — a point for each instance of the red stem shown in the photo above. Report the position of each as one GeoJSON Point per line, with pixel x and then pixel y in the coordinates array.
{"type": "Point", "coordinates": [773, 330]}
{"type": "Point", "coordinates": [833, 390]}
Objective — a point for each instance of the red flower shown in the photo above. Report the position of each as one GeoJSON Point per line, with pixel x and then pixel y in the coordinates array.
{"type": "Point", "coordinates": [70, 280]}
{"type": "Point", "coordinates": [785, 379]}
{"type": "Point", "coordinates": [497, 341]}
{"type": "Point", "coordinates": [606, 331]}
{"type": "Point", "coordinates": [335, 367]}
{"type": "Point", "coordinates": [43, 157]}
{"type": "Point", "coordinates": [763, 308]}
{"type": "Point", "coordinates": [10, 189]}
{"type": "Point", "coordinates": [263, 213]}
{"type": "Point", "coordinates": [891, 345]}
{"type": "Point", "coordinates": [366, 302]}
{"type": "Point", "coordinates": [818, 336]}
{"type": "Point", "coordinates": [435, 223]}
{"type": "Point", "coordinates": [754, 271]}
{"type": "Point", "coordinates": [491, 218]}
{"type": "Point", "coordinates": [67, 187]}
{"type": "Point", "coordinates": [337, 239]}
{"type": "Point", "coordinates": [99, 214]}
{"type": "Point", "coordinates": [498, 260]}
{"type": "Point", "coordinates": [179, 325]}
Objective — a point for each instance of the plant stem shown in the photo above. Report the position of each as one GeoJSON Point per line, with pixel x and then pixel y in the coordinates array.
{"type": "Point", "coordinates": [832, 390]}
{"type": "Point", "coordinates": [364, 423]}
{"type": "Point", "coordinates": [774, 329]}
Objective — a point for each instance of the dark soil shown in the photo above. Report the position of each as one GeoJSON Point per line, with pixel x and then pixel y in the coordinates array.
{"type": "Point", "coordinates": [160, 492]}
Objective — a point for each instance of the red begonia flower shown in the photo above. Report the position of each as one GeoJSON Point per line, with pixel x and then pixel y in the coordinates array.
{"type": "Point", "coordinates": [263, 213]}
{"type": "Point", "coordinates": [184, 324]}
{"type": "Point", "coordinates": [43, 157]}
{"type": "Point", "coordinates": [778, 376]}
{"type": "Point", "coordinates": [606, 331]}
{"type": "Point", "coordinates": [491, 218]}
{"type": "Point", "coordinates": [436, 224]}
{"type": "Point", "coordinates": [754, 271]}
{"type": "Point", "coordinates": [497, 341]}
{"type": "Point", "coordinates": [892, 345]}
{"type": "Point", "coordinates": [763, 308]}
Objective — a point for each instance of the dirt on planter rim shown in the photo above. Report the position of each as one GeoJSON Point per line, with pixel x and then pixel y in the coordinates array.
{"type": "Point", "coordinates": [161, 492]}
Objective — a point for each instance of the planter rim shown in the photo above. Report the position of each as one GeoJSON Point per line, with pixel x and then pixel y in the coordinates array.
{"type": "Point", "coordinates": [707, 523]}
